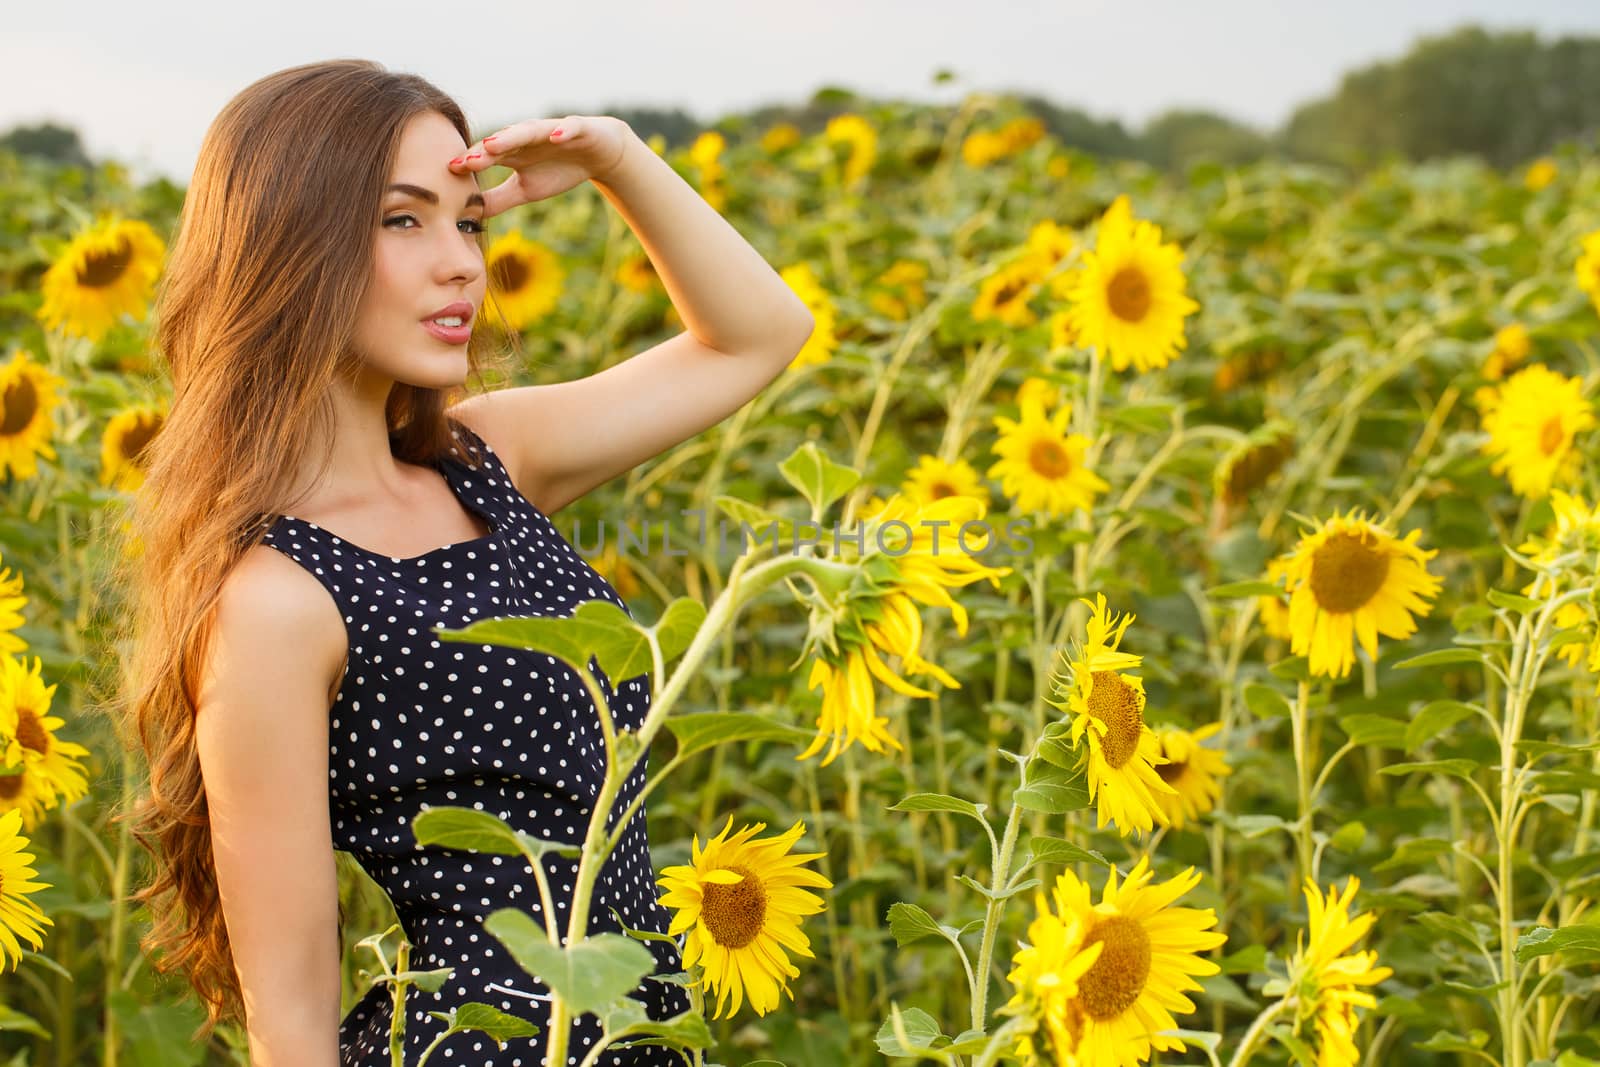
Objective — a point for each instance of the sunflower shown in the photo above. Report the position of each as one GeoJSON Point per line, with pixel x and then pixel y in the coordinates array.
{"type": "Point", "coordinates": [525, 281]}
{"type": "Point", "coordinates": [779, 137]}
{"type": "Point", "coordinates": [934, 479]}
{"type": "Point", "coordinates": [1576, 530]}
{"type": "Point", "coordinates": [1324, 979]}
{"type": "Point", "coordinates": [1350, 579]}
{"type": "Point", "coordinates": [1274, 612]}
{"type": "Point", "coordinates": [1107, 706]}
{"type": "Point", "coordinates": [1540, 173]}
{"type": "Point", "coordinates": [1128, 300]}
{"type": "Point", "coordinates": [1587, 268]}
{"type": "Point", "coordinates": [1511, 347]}
{"type": "Point", "coordinates": [637, 274]}
{"type": "Point", "coordinates": [12, 601]}
{"type": "Point", "coordinates": [1044, 977]}
{"type": "Point", "coordinates": [1038, 393]}
{"type": "Point", "coordinates": [1193, 770]}
{"type": "Point", "coordinates": [123, 444]}
{"type": "Point", "coordinates": [740, 902]}
{"type": "Point", "coordinates": [936, 554]}
{"type": "Point", "coordinates": [108, 269]}
{"type": "Point", "coordinates": [1003, 296]}
{"type": "Point", "coordinates": [858, 133]}
{"type": "Point", "coordinates": [819, 347]}
{"type": "Point", "coordinates": [28, 731]}
{"type": "Point", "coordinates": [706, 155]}
{"type": "Point", "coordinates": [1252, 462]}
{"type": "Point", "coordinates": [27, 396]}
{"type": "Point", "coordinates": [897, 631]}
{"type": "Point", "coordinates": [614, 567]}
{"type": "Point", "coordinates": [1060, 324]}
{"type": "Point", "coordinates": [1142, 960]}
{"type": "Point", "coordinates": [19, 916]}
{"type": "Point", "coordinates": [899, 290]}
{"type": "Point", "coordinates": [849, 711]}
{"type": "Point", "coordinates": [1041, 464]}
{"type": "Point", "coordinates": [1533, 421]}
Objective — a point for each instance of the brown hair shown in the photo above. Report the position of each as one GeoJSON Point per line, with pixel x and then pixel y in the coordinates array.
{"type": "Point", "coordinates": [254, 318]}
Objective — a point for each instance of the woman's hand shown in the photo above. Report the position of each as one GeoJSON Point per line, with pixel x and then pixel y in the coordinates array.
{"type": "Point", "coordinates": [549, 156]}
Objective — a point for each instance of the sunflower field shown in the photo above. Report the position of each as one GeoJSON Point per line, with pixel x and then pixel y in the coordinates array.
{"type": "Point", "coordinates": [1174, 639]}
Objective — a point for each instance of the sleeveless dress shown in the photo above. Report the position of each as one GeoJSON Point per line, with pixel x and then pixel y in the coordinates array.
{"type": "Point", "coordinates": [418, 722]}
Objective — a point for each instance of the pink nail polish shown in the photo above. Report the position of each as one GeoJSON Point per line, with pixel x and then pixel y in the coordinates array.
{"type": "Point", "coordinates": [556, 133]}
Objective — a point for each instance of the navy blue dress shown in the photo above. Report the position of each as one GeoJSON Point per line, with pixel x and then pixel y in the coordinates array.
{"type": "Point", "coordinates": [418, 722]}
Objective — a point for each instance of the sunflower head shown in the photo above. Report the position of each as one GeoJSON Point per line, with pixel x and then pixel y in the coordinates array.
{"type": "Point", "coordinates": [108, 270]}
{"type": "Point", "coordinates": [1041, 465]}
{"type": "Point", "coordinates": [934, 479]}
{"type": "Point", "coordinates": [28, 394]}
{"type": "Point", "coordinates": [1193, 770]}
{"type": "Point", "coordinates": [525, 281]}
{"type": "Point", "coordinates": [1350, 579]}
{"type": "Point", "coordinates": [739, 902]}
{"type": "Point", "coordinates": [1327, 978]}
{"type": "Point", "coordinates": [1535, 421]}
{"type": "Point", "coordinates": [122, 446]}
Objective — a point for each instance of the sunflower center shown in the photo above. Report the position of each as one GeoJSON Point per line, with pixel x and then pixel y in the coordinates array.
{"type": "Point", "coordinates": [1171, 772]}
{"type": "Point", "coordinates": [1120, 707]}
{"type": "Point", "coordinates": [734, 913]}
{"type": "Point", "coordinates": [1009, 292]}
{"type": "Point", "coordinates": [31, 733]}
{"type": "Point", "coordinates": [1551, 434]}
{"type": "Point", "coordinates": [134, 441]}
{"type": "Point", "coordinates": [11, 786]}
{"type": "Point", "coordinates": [1112, 985]}
{"type": "Point", "coordinates": [940, 490]}
{"type": "Point", "coordinates": [1049, 459]}
{"type": "Point", "coordinates": [1129, 294]}
{"type": "Point", "coordinates": [509, 273]}
{"type": "Point", "coordinates": [1346, 571]}
{"type": "Point", "coordinates": [101, 269]}
{"type": "Point", "coordinates": [18, 406]}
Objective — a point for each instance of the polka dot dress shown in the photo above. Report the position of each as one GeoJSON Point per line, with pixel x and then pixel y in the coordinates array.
{"type": "Point", "coordinates": [419, 722]}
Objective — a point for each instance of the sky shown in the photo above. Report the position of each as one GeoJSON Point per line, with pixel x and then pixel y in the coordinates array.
{"type": "Point", "coordinates": [141, 82]}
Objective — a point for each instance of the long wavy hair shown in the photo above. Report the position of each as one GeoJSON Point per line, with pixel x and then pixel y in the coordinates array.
{"type": "Point", "coordinates": [254, 319]}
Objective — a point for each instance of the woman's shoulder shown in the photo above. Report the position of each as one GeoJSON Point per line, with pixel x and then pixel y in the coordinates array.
{"type": "Point", "coordinates": [273, 606]}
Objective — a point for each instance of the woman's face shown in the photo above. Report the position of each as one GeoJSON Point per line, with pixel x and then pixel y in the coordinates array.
{"type": "Point", "coordinates": [425, 258]}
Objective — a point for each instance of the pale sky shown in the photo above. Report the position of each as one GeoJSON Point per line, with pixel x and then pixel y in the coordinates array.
{"type": "Point", "coordinates": [142, 81]}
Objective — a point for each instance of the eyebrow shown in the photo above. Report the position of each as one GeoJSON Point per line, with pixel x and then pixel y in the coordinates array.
{"type": "Point", "coordinates": [428, 195]}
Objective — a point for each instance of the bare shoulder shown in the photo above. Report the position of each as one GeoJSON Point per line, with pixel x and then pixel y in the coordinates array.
{"type": "Point", "coordinates": [276, 628]}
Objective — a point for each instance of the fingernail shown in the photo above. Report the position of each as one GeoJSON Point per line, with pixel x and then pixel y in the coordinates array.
{"type": "Point", "coordinates": [456, 160]}
{"type": "Point", "coordinates": [486, 140]}
{"type": "Point", "coordinates": [474, 155]}
{"type": "Point", "coordinates": [556, 132]}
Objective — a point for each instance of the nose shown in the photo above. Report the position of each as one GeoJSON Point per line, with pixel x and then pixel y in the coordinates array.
{"type": "Point", "coordinates": [459, 260]}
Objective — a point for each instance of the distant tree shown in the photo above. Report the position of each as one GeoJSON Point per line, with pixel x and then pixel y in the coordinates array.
{"type": "Point", "coordinates": [1503, 96]}
{"type": "Point", "coordinates": [58, 144]}
{"type": "Point", "coordinates": [1176, 139]}
{"type": "Point", "coordinates": [1077, 129]}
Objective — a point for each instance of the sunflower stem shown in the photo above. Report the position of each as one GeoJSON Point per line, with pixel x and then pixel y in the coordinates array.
{"type": "Point", "coordinates": [1251, 1041]}
{"type": "Point", "coordinates": [1298, 713]}
{"type": "Point", "coordinates": [999, 875]}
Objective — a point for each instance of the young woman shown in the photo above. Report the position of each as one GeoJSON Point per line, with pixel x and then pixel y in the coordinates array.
{"type": "Point", "coordinates": [321, 497]}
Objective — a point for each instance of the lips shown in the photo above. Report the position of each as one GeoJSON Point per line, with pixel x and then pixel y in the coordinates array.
{"type": "Point", "coordinates": [460, 307]}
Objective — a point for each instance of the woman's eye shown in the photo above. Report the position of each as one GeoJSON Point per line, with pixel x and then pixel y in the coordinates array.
{"type": "Point", "coordinates": [475, 225]}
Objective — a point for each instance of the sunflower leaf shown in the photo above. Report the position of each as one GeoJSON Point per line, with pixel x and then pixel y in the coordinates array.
{"type": "Point", "coordinates": [1521, 604]}
{"type": "Point", "coordinates": [701, 730]}
{"type": "Point", "coordinates": [1451, 768]}
{"type": "Point", "coordinates": [910, 1032]}
{"type": "Point", "coordinates": [939, 802]}
{"type": "Point", "coordinates": [819, 479]}
{"type": "Point", "coordinates": [1238, 590]}
{"type": "Point", "coordinates": [1052, 850]}
{"type": "Point", "coordinates": [1542, 941]}
{"type": "Point", "coordinates": [1435, 718]}
{"type": "Point", "coordinates": [1051, 789]}
{"type": "Point", "coordinates": [485, 1019]}
{"type": "Point", "coordinates": [589, 973]}
{"type": "Point", "coordinates": [1440, 657]}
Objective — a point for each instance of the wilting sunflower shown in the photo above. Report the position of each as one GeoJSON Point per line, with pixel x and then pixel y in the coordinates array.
{"type": "Point", "coordinates": [28, 731]}
{"type": "Point", "coordinates": [12, 601]}
{"type": "Point", "coordinates": [122, 446]}
{"type": "Point", "coordinates": [1325, 978]}
{"type": "Point", "coordinates": [740, 902]}
{"type": "Point", "coordinates": [1108, 712]}
{"type": "Point", "coordinates": [1143, 959]}
{"type": "Point", "coordinates": [1349, 580]}
{"type": "Point", "coordinates": [637, 274]}
{"type": "Point", "coordinates": [1003, 296]}
{"type": "Point", "coordinates": [1511, 347]}
{"type": "Point", "coordinates": [934, 479]}
{"type": "Point", "coordinates": [1128, 300]}
{"type": "Point", "coordinates": [27, 396]}
{"type": "Point", "coordinates": [525, 281]}
{"type": "Point", "coordinates": [1252, 461]}
{"type": "Point", "coordinates": [819, 347]}
{"type": "Point", "coordinates": [1041, 464]}
{"type": "Point", "coordinates": [1196, 772]}
{"type": "Point", "coordinates": [19, 916]}
{"type": "Point", "coordinates": [1533, 421]}
{"type": "Point", "coordinates": [849, 711]}
{"type": "Point", "coordinates": [859, 134]}
{"type": "Point", "coordinates": [107, 270]}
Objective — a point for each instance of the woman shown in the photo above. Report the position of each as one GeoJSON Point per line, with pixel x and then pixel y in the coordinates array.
{"type": "Point", "coordinates": [320, 499]}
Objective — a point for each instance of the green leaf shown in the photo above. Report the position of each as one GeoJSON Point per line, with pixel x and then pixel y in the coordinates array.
{"type": "Point", "coordinates": [1293, 669]}
{"type": "Point", "coordinates": [1052, 850]}
{"type": "Point", "coordinates": [939, 802]}
{"type": "Point", "coordinates": [1416, 850]}
{"type": "Point", "coordinates": [1462, 930]}
{"type": "Point", "coordinates": [427, 981]}
{"type": "Point", "coordinates": [1521, 604]}
{"type": "Point", "coordinates": [1051, 789]}
{"type": "Point", "coordinates": [701, 730]}
{"type": "Point", "coordinates": [1439, 658]}
{"type": "Point", "coordinates": [598, 628]}
{"type": "Point", "coordinates": [487, 1020]}
{"type": "Point", "coordinates": [1349, 837]}
{"type": "Point", "coordinates": [1380, 731]}
{"type": "Point", "coordinates": [13, 1020]}
{"type": "Point", "coordinates": [589, 974]}
{"type": "Point", "coordinates": [449, 826]}
{"type": "Point", "coordinates": [628, 1018]}
{"type": "Point", "coordinates": [760, 522]}
{"type": "Point", "coordinates": [1452, 768]}
{"type": "Point", "coordinates": [1236, 590]}
{"type": "Point", "coordinates": [1265, 701]}
{"type": "Point", "coordinates": [990, 894]}
{"type": "Point", "coordinates": [1445, 1041]}
{"type": "Point", "coordinates": [819, 479]}
{"type": "Point", "coordinates": [909, 924]}
{"type": "Point", "coordinates": [1469, 615]}
{"type": "Point", "coordinates": [1252, 960]}
{"type": "Point", "coordinates": [1434, 719]}
{"type": "Point", "coordinates": [1253, 825]}
{"type": "Point", "coordinates": [676, 628]}
{"type": "Point", "coordinates": [921, 1033]}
